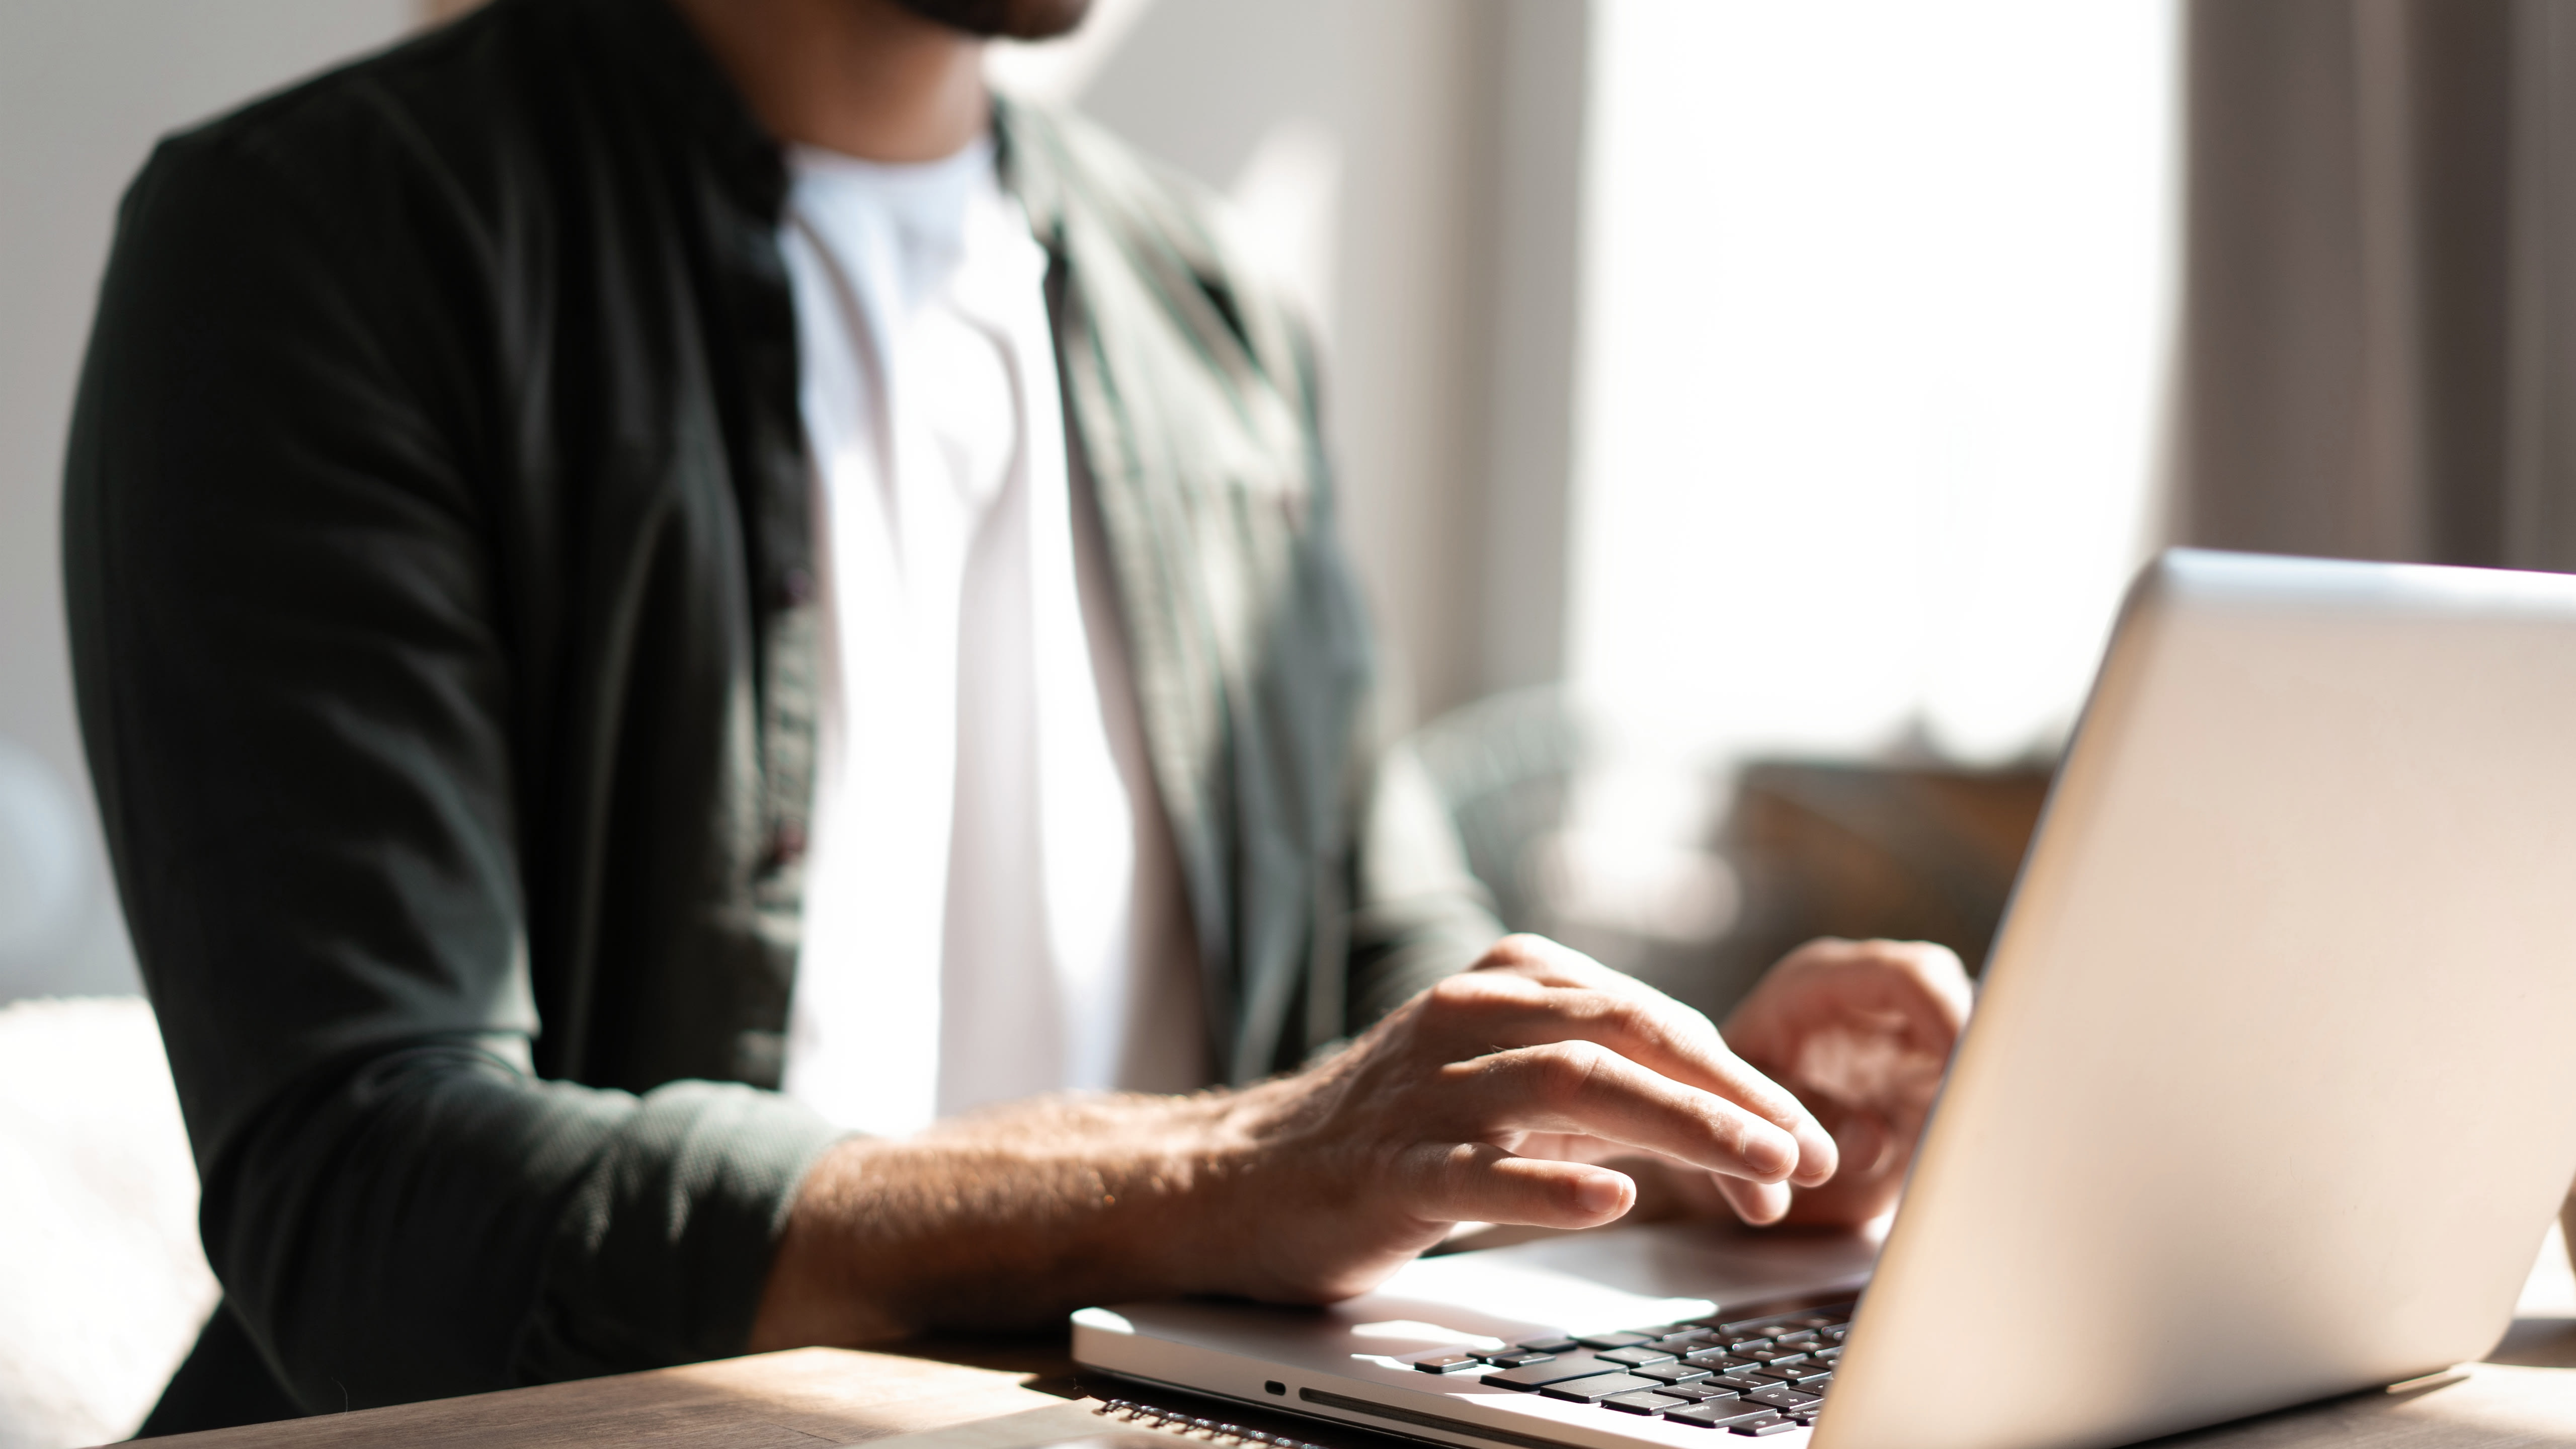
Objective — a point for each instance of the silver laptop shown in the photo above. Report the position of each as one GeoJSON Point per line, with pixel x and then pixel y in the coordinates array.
{"type": "Point", "coordinates": [2270, 1093]}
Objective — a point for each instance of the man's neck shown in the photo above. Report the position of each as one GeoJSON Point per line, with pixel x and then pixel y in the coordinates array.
{"type": "Point", "coordinates": [863, 77]}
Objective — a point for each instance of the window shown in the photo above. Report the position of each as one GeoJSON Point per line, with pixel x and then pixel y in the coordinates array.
{"type": "Point", "coordinates": [1871, 384]}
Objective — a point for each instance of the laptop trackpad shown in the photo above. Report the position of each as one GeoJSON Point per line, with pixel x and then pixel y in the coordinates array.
{"type": "Point", "coordinates": [1623, 1277]}
{"type": "Point", "coordinates": [1608, 1279]}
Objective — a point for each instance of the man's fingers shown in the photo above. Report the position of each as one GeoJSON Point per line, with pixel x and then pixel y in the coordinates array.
{"type": "Point", "coordinates": [1580, 1086]}
{"type": "Point", "coordinates": [1484, 1012]}
{"type": "Point", "coordinates": [1477, 1182]}
{"type": "Point", "coordinates": [1758, 1203]}
{"type": "Point", "coordinates": [1918, 984]}
{"type": "Point", "coordinates": [1866, 1143]}
{"type": "Point", "coordinates": [1549, 963]}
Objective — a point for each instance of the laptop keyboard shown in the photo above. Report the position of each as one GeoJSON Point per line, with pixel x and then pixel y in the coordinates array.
{"type": "Point", "coordinates": [1754, 1376]}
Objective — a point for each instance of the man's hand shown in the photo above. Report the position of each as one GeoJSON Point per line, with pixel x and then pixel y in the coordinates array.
{"type": "Point", "coordinates": [1493, 1097]}
{"type": "Point", "coordinates": [1861, 1031]}
{"type": "Point", "coordinates": [1490, 1097]}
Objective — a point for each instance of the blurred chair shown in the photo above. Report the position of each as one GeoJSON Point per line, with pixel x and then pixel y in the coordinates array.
{"type": "Point", "coordinates": [1806, 849]}
{"type": "Point", "coordinates": [1509, 768]}
{"type": "Point", "coordinates": [1858, 850]}
{"type": "Point", "coordinates": [102, 1283]}
{"type": "Point", "coordinates": [1504, 766]}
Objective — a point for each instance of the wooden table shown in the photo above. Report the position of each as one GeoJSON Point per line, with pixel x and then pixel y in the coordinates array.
{"type": "Point", "coordinates": [963, 1392]}
{"type": "Point", "coordinates": [2525, 1395]}
{"type": "Point", "coordinates": [805, 1397]}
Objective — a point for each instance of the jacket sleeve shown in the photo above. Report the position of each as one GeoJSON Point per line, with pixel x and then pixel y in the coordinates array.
{"type": "Point", "coordinates": [292, 667]}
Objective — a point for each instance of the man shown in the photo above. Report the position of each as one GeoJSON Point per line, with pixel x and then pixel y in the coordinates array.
{"type": "Point", "coordinates": [627, 553]}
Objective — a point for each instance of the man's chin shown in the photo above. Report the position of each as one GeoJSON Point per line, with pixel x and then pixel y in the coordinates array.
{"type": "Point", "coordinates": [1010, 19]}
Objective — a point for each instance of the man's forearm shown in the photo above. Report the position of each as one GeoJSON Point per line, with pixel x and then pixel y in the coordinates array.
{"type": "Point", "coordinates": [1001, 1220]}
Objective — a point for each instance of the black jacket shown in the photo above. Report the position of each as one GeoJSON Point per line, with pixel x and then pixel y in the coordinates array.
{"type": "Point", "coordinates": [435, 531]}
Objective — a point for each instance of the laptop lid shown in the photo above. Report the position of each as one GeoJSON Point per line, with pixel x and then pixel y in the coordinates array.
{"type": "Point", "coordinates": [2271, 1089]}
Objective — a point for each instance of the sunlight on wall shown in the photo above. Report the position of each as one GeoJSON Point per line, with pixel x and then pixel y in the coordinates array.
{"type": "Point", "coordinates": [1872, 377]}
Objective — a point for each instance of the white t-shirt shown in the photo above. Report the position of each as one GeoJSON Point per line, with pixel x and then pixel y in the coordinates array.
{"type": "Point", "coordinates": [992, 903]}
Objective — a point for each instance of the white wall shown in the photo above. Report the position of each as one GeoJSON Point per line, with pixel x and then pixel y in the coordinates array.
{"type": "Point", "coordinates": [85, 86]}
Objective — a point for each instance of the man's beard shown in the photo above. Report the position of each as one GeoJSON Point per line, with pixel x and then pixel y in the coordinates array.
{"type": "Point", "coordinates": [1016, 19]}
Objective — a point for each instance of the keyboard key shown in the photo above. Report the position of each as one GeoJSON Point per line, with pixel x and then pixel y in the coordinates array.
{"type": "Point", "coordinates": [1697, 1393]}
{"type": "Point", "coordinates": [1601, 1386]}
{"type": "Point", "coordinates": [1772, 1355]}
{"type": "Point", "coordinates": [1797, 1375]}
{"type": "Point", "coordinates": [1740, 1383]}
{"type": "Point", "coordinates": [1516, 1360]}
{"type": "Point", "coordinates": [1774, 1425]}
{"type": "Point", "coordinates": [1540, 1375]}
{"type": "Point", "coordinates": [1456, 1361]}
{"type": "Point", "coordinates": [1780, 1396]}
{"type": "Point", "coordinates": [1634, 1357]}
{"type": "Point", "coordinates": [1687, 1339]}
{"type": "Point", "coordinates": [1796, 1337]}
{"type": "Point", "coordinates": [1547, 1345]}
{"type": "Point", "coordinates": [1718, 1359]}
{"type": "Point", "coordinates": [1672, 1373]}
{"type": "Point", "coordinates": [1641, 1401]}
{"type": "Point", "coordinates": [1828, 1353]}
{"type": "Point", "coordinates": [1823, 1317]}
{"type": "Point", "coordinates": [1721, 1413]}
{"type": "Point", "coordinates": [1613, 1340]}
